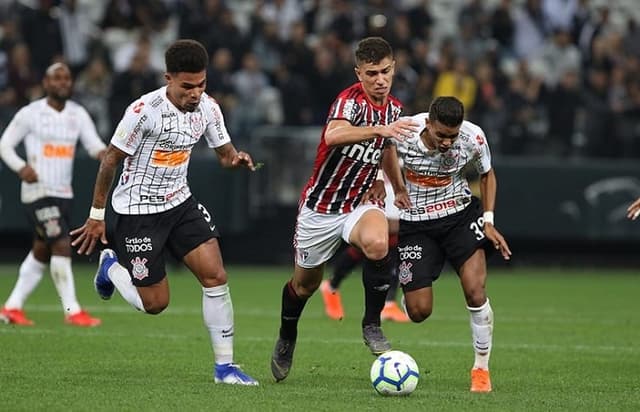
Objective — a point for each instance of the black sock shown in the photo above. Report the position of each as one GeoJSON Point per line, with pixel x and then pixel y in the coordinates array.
{"type": "Point", "coordinates": [376, 278]}
{"type": "Point", "coordinates": [393, 286]}
{"type": "Point", "coordinates": [345, 263]}
{"type": "Point", "coordinates": [292, 306]}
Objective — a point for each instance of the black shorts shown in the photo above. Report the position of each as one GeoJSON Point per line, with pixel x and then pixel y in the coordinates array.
{"type": "Point", "coordinates": [424, 246]}
{"type": "Point", "coordinates": [49, 217]}
{"type": "Point", "coordinates": [140, 240]}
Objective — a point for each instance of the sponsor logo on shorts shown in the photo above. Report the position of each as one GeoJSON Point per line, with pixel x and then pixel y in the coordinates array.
{"type": "Point", "coordinates": [47, 213]}
{"type": "Point", "coordinates": [139, 269]}
{"type": "Point", "coordinates": [410, 252]}
{"type": "Point", "coordinates": [138, 244]}
{"type": "Point", "coordinates": [404, 273]}
{"type": "Point", "coordinates": [302, 255]}
{"type": "Point", "coordinates": [52, 227]}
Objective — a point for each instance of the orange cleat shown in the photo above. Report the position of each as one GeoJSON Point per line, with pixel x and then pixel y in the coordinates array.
{"type": "Point", "coordinates": [82, 319]}
{"type": "Point", "coordinates": [332, 301]}
{"type": "Point", "coordinates": [392, 312]}
{"type": "Point", "coordinates": [480, 380]}
{"type": "Point", "coordinates": [15, 317]}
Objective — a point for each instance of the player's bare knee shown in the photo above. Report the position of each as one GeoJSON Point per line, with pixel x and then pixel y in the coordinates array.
{"type": "Point", "coordinates": [476, 297]}
{"type": "Point", "coordinates": [155, 308]}
{"type": "Point", "coordinates": [418, 314]}
{"type": "Point", "coordinates": [376, 249]}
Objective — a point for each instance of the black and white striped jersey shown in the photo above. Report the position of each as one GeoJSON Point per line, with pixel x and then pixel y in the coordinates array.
{"type": "Point", "coordinates": [159, 139]}
{"type": "Point", "coordinates": [436, 181]}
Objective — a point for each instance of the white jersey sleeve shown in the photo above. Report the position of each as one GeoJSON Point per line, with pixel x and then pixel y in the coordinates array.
{"type": "Point", "coordinates": [14, 133]}
{"type": "Point", "coordinates": [132, 127]}
{"type": "Point", "coordinates": [89, 137]}
{"type": "Point", "coordinates": [216, 132]}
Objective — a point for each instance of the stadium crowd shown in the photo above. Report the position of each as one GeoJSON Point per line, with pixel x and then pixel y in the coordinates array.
{"type": "Point", "coordinates": [550, 77]}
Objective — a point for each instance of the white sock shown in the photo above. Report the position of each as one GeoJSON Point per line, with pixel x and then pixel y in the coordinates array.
{"type": "Point", "coordinates": [60, 268]}
{"type": "Point", "coordinates": [120, 277]}
{"type": "Point", "coordinates": [217, 311]}
{"type": "Point", "coordinates": [29, 276]}
{"type": "Point", "coordinates": [482, 334]}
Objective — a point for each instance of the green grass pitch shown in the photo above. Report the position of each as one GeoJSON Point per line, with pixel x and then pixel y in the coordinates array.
{"type": "Point", "coordinates": [564, 340]}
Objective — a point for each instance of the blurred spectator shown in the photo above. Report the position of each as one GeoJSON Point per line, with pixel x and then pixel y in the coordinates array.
{"type": "Point", "coordinates": [562, 103]}
{"type": "Point", "coordinates": [138, 79]}
{"type": "Point", "coordinates": [41, 32]}
{"type": "Point", "coordinates": [92, 86]}
{"type": "Point", "coordinates": [458, 82]}
{"type": "Point", "coordinates": [24, 81]}
{"type": "Point", "coordinates": [531, 29]}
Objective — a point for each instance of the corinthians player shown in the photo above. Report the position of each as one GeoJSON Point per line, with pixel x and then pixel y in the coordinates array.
{"type": "Point", "coordinates": [154, 207]}
{"type": "Point", "coordinates": [50, 128]}
{"type": "Point", "coordinates": [445, 222]}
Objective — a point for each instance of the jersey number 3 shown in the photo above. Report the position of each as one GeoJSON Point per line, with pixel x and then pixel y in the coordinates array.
{"type": "Point", "coordinates": [476, 227]}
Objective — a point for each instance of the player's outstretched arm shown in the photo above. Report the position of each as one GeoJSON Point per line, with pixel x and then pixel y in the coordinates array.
{"type": "Point", "coordinates": [341, 132]}
{"type": "Point", "coordinates": [86, 236]}
{"type": "Point", "coordinates": [633, 211]}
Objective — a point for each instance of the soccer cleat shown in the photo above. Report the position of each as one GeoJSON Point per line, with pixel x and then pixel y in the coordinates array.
{"type": "Point", "coordinates": [82, 319]}
{"type": "Point", "coordinates": [101, 281]}
{"type": "Point", "coordinates": [231, 374]}
{"type": "Point", "coordinates": [392, 312]}
{"type": "Point", "coordinates": [332, 301]}
{"type": "Point", "coordinates": [375, 340]}
{"type": "Point", "coordinates": [480, 380]}
{"type": "Point", "coordinates": [15, 317]}
{"type": "Point", "coordinates": [282, 358]}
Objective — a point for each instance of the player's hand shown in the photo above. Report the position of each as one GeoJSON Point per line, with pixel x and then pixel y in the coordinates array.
{"type": "Point", "coordinates": [402, 129]}
{"type": "Point", "coordinates": [633, 211]}
{"type": "Point", "coordinates": [28, 174]}
{"type": "Point", "coordinates": [376, 193]}
{"type": "Point", "coordinates": [402, 200]}
{"type": "Point", "coordinates": [243, 159]}
{"type": "Point", "coordinates": [497, 240]}
{"type": "Point", "coordinates": [88, 235]}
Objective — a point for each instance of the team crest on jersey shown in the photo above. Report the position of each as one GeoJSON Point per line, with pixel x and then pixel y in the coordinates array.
{"type": "Point", "coordinates": [52, 227]}
{"type": "Point", "coordinates": [404, 273]}
{"type": "Point", "coordinates": [480, 140]}
{"type": "Point", "coordinates": [197, 125]}
{"type": "Point", "coordinates": [139, 269]}
{"type": "Point", "coordinates": [449, 159]}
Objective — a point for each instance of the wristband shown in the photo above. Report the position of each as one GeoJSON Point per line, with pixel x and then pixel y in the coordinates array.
{"type": "Point", "coordinates": [96, 214]}
{"type": "Point", "coordinates": [380, 175]}
{"type": "Point", "coordinates": [488, 217]}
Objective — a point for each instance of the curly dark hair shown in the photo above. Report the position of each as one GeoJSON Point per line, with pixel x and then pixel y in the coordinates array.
{"type": "Point", "coordinates": [372, 50]}
{"type": "Point", "coordinates": [187, 56]}
{"type": "Point", "coordinates": [447, 110]}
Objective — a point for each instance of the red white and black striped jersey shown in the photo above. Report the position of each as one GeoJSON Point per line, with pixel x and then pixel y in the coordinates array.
{"type": "Point", "coordinates": [436, 182]}
{"type": "Point", "coordinates": [50, 139]}
{"type": "Point", "coordinates": [342, 174]}
{"type": "Point", "coordinates": [158, 139]}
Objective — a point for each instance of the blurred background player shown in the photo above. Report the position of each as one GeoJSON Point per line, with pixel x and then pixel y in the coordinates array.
{"type": "Point", "coordinates": [155, 209]}
{"type": "Point", "coordinates": [50, 128]}
{"type": "Point", "coordinates": [351, 256]}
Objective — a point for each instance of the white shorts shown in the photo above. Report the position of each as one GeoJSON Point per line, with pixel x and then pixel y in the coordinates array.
{"type": "Point", "coordinates": [390, 210]}
{"type": "Point", "coordinates": [318, 235]}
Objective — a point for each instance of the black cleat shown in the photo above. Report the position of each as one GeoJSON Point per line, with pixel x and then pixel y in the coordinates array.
{"type": "Point", "coordinates": [375, 340]}
{"type": "Point", "coordinates": [282, 358]}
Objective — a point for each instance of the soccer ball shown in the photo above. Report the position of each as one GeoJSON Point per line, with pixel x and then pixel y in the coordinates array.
{"type": "Point", "coordinates": [394, 373]}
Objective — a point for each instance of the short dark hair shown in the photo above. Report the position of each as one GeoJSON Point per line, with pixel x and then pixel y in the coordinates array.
{"type": "Point", "coordinates": [447, 110]}
{"type": "Point", "coordinates": [188, 56]}
{"type": "Point", "coordinates": [372, 50]}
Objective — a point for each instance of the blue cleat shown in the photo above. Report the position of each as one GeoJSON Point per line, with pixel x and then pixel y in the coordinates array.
{"type": "Point", "coordinates": [104, 285]}
{"type": "Point", "coordinates": [232, 374]}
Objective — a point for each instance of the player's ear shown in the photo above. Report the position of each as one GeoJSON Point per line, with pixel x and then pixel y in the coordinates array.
{"type": "Point", "coordinates": [357, 71]}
